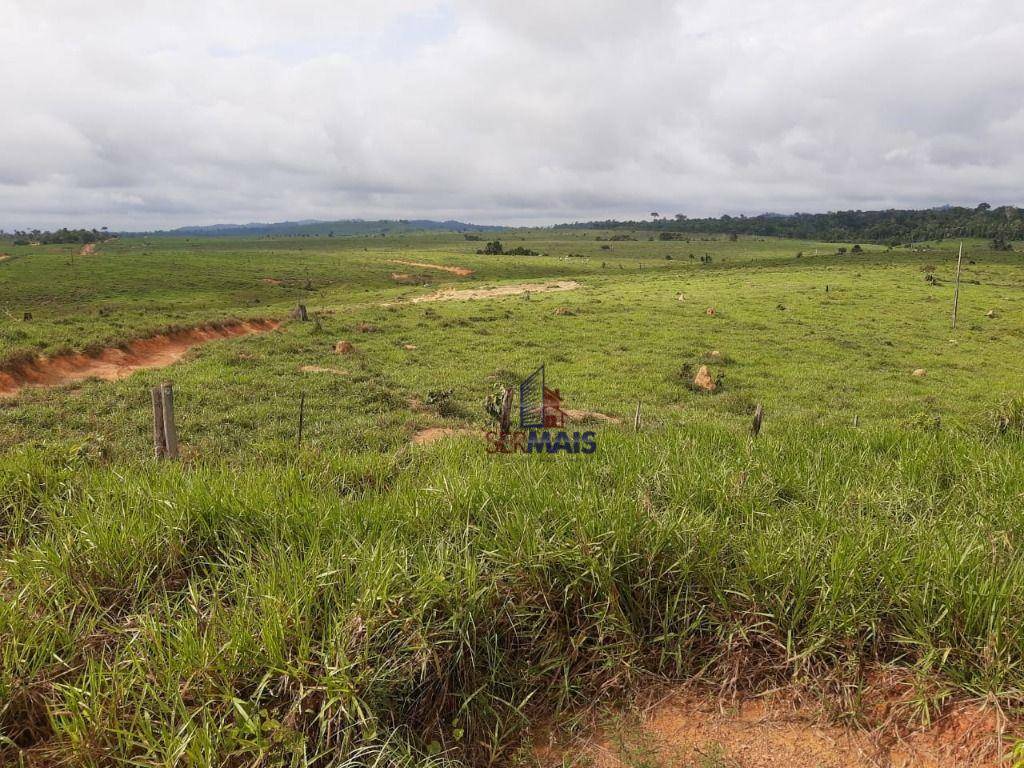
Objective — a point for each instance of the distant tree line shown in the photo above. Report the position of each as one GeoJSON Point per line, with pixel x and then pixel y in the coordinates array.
{"type": "Point", "coordinates": [893, 227]}
{"type": "Point", "coordinates": [59, 236]}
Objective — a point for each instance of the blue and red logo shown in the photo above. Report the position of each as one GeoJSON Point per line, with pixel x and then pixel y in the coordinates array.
{"type": "Point", "coordinates": [542, 423]}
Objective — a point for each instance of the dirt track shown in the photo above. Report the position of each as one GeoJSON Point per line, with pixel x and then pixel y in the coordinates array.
{"type": "Point", "coordinates": [460, 271]}
{"type": "Point", "coordinates": [119, 362]}
{"type": "Point", "coordinates": [469, 294]}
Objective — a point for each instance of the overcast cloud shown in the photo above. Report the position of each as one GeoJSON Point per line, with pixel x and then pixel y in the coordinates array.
{"type": "Point", "coordinates": [150, 114]}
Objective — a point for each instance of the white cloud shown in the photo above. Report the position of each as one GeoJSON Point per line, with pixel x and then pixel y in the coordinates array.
{"type": "Point", "coordinates": [197, 112]}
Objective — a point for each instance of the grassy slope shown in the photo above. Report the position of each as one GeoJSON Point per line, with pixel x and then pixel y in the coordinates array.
{"type": "Point", "coordinates": [825, 357]}
{"type": "Point", "coordinates": [256, 608]}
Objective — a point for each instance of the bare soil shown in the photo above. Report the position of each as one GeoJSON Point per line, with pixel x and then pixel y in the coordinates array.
{"type": "Point", "coordinates": [119, 362]}
{"type": "Point", "coordinates": [87, 249]}
{"type": "Point", "coordinates": [433, 434]}
{"type": "Point", "coordinates": [686, 728]}
{"type": "Point", "coordinates": [581, 416]}
{"type": "Point", "coordinates": [460, 271]}
{"type": "Point", "coordinates": [469, 294]}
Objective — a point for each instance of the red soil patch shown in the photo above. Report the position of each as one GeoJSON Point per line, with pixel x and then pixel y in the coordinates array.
{"type": "Point", "coordinates": [119, 362]}
{"type": "Point", "coordinates": [689, 729]}
{"type": "Point", "coordinates": [460, 271]}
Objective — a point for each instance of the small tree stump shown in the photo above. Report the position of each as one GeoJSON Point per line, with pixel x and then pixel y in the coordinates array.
{"type": "Point", "coordinates": [300, 313]}
{"type": "Point", "coordinates": [506, 411]}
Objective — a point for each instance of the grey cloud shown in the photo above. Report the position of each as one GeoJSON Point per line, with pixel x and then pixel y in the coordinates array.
{"type": "Point", "coordinates": [200, 112]}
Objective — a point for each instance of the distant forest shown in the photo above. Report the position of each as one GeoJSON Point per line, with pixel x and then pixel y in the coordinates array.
{"type": "Point", "coordinates": [1000, 225]}
{"type": "Point", "coordinates": [57, 237]}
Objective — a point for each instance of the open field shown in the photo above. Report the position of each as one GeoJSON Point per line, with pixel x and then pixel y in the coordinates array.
{"type": "Point", "coordinates": [368, 599]}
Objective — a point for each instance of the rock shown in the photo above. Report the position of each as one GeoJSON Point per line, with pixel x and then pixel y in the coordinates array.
{"type": "Point", "coordinates": [703, 380]}
{"type": "Point", "coordinates": [562, 311]}
{"type": "Point", "coordinates": [409, 347]}
{"type": "Point", "coordinates": [715, 354]}
{"type": "Point", "coordinates": [990, 313]}
{"type": "Point", "coordinates": [711, 311]}
{"type": "Point", "coordinates": [680, 297]}
{"type": "Point", "coordinates": [344, 348]}
{"type": "Point", "coordinates": [919, 372]}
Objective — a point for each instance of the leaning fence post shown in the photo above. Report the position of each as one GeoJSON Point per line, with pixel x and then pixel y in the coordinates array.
{"type": "Point", "coordinates": [636, 418]}
{"type": "Point", "coordinates": [956, 288]}
{"type": "Point", "coordinates": [159, 440]}
{"type": "Point", "coordinates": [755, 428]}
{"type": "Point", "coordinates": [170, 430]}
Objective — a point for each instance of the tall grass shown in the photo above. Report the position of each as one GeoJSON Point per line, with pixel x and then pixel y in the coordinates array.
{"type": "Point", "coordinates": [424, 607]}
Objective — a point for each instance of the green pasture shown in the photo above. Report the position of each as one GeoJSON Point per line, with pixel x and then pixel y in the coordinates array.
{"type": "Point", "coordinates": [818, 339]}
{"type": "Point", "coordinates": [365, 601]}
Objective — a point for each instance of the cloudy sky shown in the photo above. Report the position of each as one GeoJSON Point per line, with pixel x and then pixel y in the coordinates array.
{"type": "Point", "coordinates": [156, 114]}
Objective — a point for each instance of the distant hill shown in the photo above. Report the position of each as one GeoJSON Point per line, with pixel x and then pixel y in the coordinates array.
{"type": "Point", "coordinates": [316, 228]}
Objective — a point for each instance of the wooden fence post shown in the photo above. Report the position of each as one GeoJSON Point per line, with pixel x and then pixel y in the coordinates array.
{"type": "Point", "coordinates": [755, 428]}
{"type": "Point", "coordinates": [170, 430]}
{"type": "Point", "coordinates": [636, 418]}
{"type": "Point", "coordinates": [956, 288]}
{"type": "Point", "coordinates": [300, 313]}
{"type": "Point", "coordinates": [159, 439]}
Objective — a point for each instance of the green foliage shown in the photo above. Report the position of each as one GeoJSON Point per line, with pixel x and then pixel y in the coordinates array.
{"type": "Point", "coordinates": [495, 248]}
{"type": "Point", "coordinates": [60, 237]}
{"type": "Point", "coordinates": [892, 226]}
